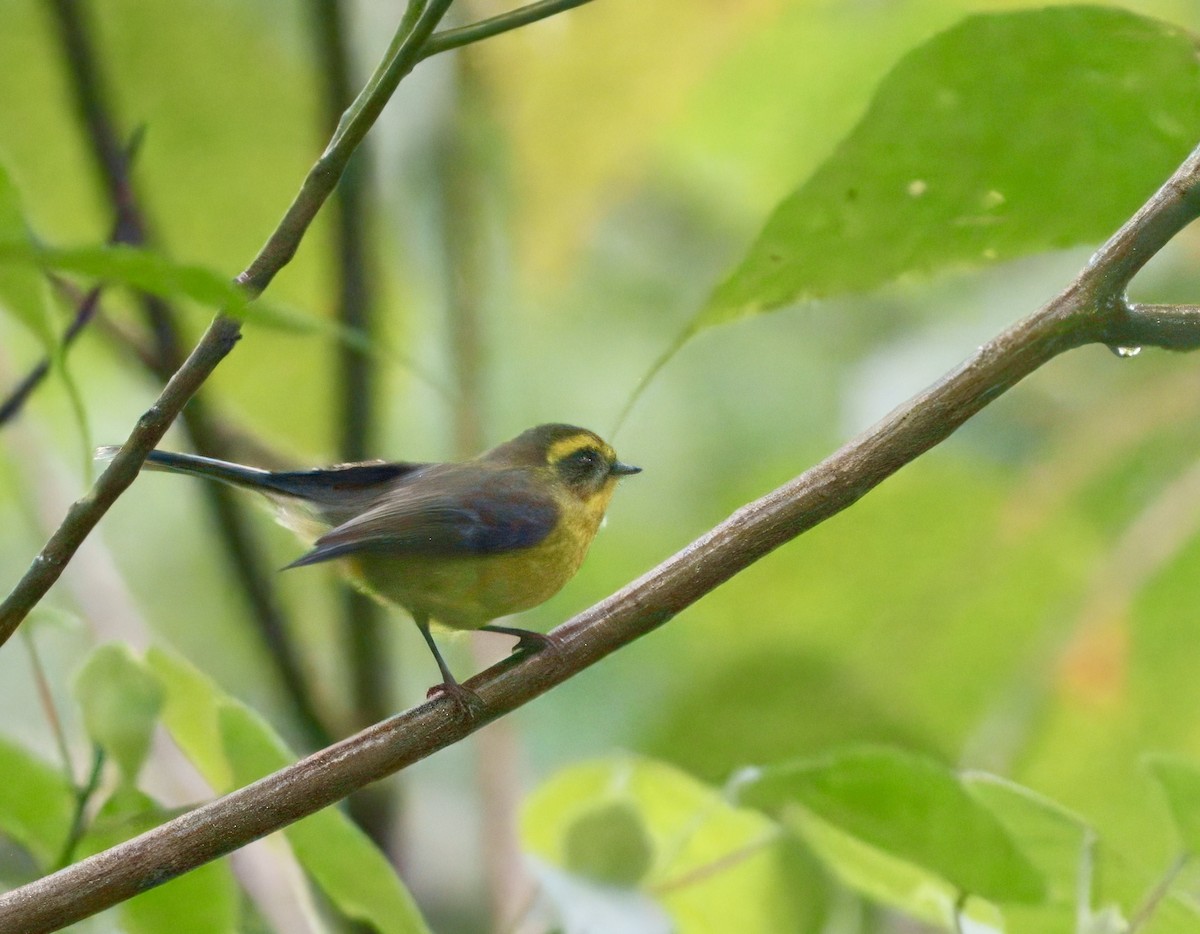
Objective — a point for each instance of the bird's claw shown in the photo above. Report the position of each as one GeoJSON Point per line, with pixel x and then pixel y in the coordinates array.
{"type": "Point", "coordinates": [464, 698]}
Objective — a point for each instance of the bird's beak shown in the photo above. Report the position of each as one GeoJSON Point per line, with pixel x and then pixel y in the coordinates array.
{"type": "Point", "coordinates": [623, 470]}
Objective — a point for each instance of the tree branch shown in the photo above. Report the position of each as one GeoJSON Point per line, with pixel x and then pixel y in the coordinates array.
{"type": "Point", "coordinates": [449, 39]}
{"type": "Point", "coordinates": [416, 26]}
{"type": "Point", "coordinates": [1090, 309]}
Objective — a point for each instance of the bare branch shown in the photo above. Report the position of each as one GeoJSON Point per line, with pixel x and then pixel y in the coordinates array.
{"type": "Point", "coordinates": [1090, 309]}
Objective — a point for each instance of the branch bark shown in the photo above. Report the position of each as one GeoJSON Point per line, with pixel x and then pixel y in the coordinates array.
{"type": "Point", "coordinates": [1091, 309]}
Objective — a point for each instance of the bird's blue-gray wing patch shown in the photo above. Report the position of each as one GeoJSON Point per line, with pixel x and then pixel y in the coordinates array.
{"type": "Point", "coordinates": [503, 516]}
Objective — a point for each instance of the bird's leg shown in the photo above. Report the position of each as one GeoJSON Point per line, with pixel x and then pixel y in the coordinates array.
{"type": "Point", "coordinates": [465, 697]}
{"type": "Point", "coordinates": [527, 640]}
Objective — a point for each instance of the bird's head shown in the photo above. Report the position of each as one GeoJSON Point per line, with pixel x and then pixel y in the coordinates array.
{"type": "Point", "coordinates": [582, 461]}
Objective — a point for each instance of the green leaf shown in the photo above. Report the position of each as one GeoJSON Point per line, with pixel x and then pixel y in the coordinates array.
{"type": "Point", "coordinates": [37, 803]}
{"type": "Point", "coordinates": [135, 267]}
{"type": "Point", "coordinates": [609, 845]}
{"type": "Point", "coordinates": [1006, 135]}
{"type": "Point", "coordinates": [233, 746]}
{"type": "Point", "coordinates": [147, 271]}
{"type": "Point", "coordinates": [1053, 838]}
{"type": "Point", "coordinates": [1180, 782]}
{"type": "Point", "coordinates": [120, 700]}
{"type": "Point", "coordinates": [635, 822]}
{"type": "Point", "coordinates": [910, 807]}
{"type": "Point", "coordinates": [885, 878]}
{"type": "Point", "coordinates": [202, 901]}
{"type": "Point", "coordinates": [22, 289]}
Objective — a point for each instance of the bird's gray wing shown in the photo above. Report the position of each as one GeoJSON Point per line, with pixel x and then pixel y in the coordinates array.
{"type": "Point", "coordinates": [459, 516]}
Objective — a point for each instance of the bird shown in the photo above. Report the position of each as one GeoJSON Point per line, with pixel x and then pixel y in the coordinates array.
{"type": "Point", "coordinates": [457, 544]}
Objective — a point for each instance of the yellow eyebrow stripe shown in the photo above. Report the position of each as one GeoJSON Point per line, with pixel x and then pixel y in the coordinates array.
{"type": "Point", "coordinates": [565, 447]}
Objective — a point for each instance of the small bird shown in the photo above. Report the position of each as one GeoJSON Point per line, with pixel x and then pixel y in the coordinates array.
{"type": "Point", "coordinates": [460, 544]}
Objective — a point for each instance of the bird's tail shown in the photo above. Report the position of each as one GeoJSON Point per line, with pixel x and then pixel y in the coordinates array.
{"type": "Point", "coordinates": [252, 478]}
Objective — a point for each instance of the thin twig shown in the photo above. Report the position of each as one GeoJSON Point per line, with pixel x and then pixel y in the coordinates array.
{"type": "Point", "coordinates": [247, 559]}
{"type": "Point", "coordinates": [960, 905]}
{"type": "Point", "coordinates": [449, 39]}
{"type": "Point", "coordinates": [21, 393]}
{"type": "Point", "coordinates": [83, 797]}
{"type": "Point", "coordinates": [1160, 891]}
{"type": "Point", "coordinates": [1172, 327]}
{"type": "Point", "coordinates": [224, 332]}
{"type": "Point", "coordinates": [46, 697]}
{"type": "Point", "coordinates": [1087, 311]}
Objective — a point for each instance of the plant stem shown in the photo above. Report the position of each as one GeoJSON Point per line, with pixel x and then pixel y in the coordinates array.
{"type": "Point", "coordinates": [83, 795]}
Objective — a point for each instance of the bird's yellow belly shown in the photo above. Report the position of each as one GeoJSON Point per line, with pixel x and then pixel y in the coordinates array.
{"type": "Point", "coordinates": [468, 592]}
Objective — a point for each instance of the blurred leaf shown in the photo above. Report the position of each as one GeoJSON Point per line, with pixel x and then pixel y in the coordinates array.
{"type": "Point", "coordinates": [879, 875]}
{"type": "Point", "coordinates": [191, 711]}
{"type": "Point", "coordinates": [712, 866]}
{"type": "Point", "coordinates": [611, 54]}
{"type": "Point", "coordinates": [1180, 782]}
{"type": "Point", "coordinates": [609, 845]}
{"type": "Point", "coordinates": [205, 900]}
{"type": "Point", "coordinates": [351, 871]}
{"type": "Point", "coordinates": [740, 705]}
{"type": "Point", "coordinates": [911, 807]}
{"type": "Point", "coordinates": [973, 150]}
{"type": "Point", "coordinates": [1053, 838]}
{"type": "Point", "coordinates": [37, 803]}
{"type": "Point", "coordinates": [233, 746]}
{"type": "Point", "coordinates": [120, 701]}
{"type": "Point", "coordinates": [22, 289]}
{"type": "Point", "coordinates": [147, 271]}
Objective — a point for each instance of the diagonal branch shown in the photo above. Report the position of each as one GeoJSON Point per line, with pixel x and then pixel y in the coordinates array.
{"type": "Point", "coordinates": [1091, 309]}
{"type": "Point", "coordinates": [416, 26]}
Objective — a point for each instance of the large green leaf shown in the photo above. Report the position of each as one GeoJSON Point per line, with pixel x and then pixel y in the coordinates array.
{"type": "Point", "coordinates": [1006, 135]}
{"type": "Point", "coordinates": [912, 808]}
{"type": "Point", "coordinates": [640, 837]}
{"type": "Point", "coordinates": [120, 701]}
{"type": "Point", "coordinates": [36, 803]}
{"type": "Point", "coordinates": [147, 271]}
{"type": "Point", "coordinates": [233, 746]}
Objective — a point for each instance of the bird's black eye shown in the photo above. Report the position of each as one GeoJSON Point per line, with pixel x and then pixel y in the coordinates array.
{"type": "Point", "coordinates": [584, 465]}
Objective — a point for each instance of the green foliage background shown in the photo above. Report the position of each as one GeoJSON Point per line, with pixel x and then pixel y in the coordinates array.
{"type": "Point", "coordinates": [1020, 601]}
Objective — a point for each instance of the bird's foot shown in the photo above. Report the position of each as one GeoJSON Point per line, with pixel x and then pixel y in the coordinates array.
{"type": "Point", "coordinates": [464, 698]}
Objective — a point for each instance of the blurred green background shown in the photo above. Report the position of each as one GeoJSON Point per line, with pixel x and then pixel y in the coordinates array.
{"type": "Point", "coordinates": [1020, 600]}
